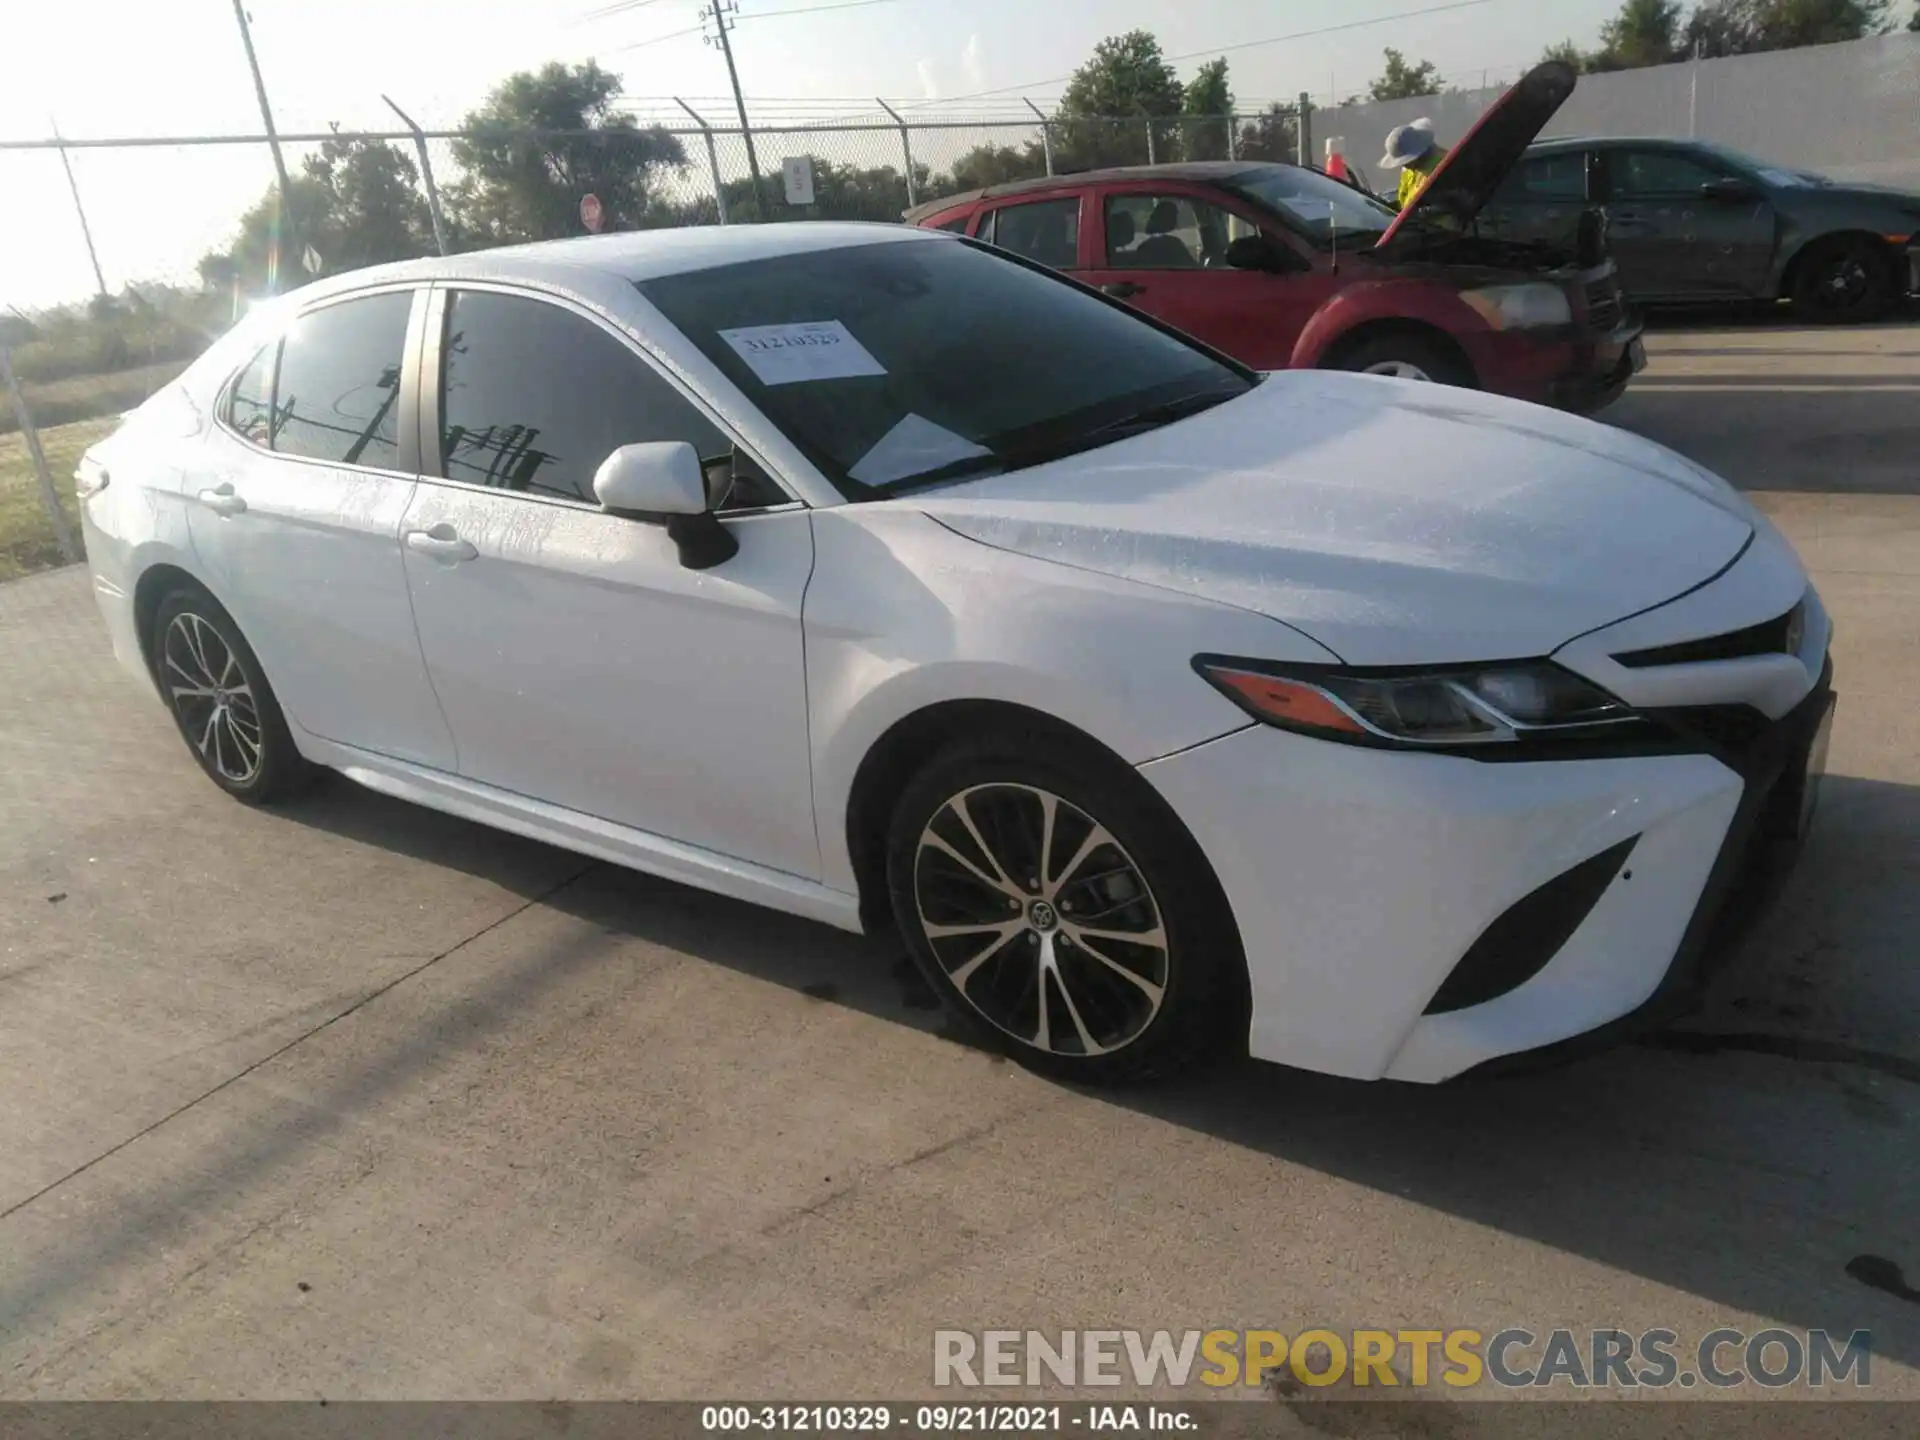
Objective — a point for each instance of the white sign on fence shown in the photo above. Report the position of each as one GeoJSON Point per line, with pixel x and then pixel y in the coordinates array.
{"type": "Point", "coordinates": [797, 171]}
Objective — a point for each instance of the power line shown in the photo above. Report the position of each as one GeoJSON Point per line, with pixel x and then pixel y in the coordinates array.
{"type": "Point", "coordinates": [657, 39]}
{"type": "Point", "coordinates": [1242, 45]}
{"type": "Point", "coordinates": [620, 7]}
{"type": "Point", "coordinates": [815, 9]}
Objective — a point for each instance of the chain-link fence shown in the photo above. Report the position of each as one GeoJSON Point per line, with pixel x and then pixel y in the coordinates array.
{"type": "Point", "coordinates": [206, 212]}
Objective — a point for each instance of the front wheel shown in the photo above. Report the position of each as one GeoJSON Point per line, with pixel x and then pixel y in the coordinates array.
{"type": "Point", "coordinates": [1061, 910]}
{"type": "Point", "coordinates": [1842, 282]}
{"type": "Point", "coordinates": [221, 702]}
{"type": "Point", "coordinates": [1404, 357]}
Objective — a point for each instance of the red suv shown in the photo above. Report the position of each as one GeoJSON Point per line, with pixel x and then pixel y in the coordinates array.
{"type": "Point", "coordinates": [1283, 266]}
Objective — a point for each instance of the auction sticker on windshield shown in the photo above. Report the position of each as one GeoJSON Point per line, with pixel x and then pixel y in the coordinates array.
{"type": "Point", "coordinates": [811, 350]}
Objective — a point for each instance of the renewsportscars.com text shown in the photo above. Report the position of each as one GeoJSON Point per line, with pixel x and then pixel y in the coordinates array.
{"type": "Point", "coordinates": [1511, 1358]}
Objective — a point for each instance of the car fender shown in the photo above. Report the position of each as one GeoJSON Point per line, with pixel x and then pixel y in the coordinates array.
{"type": "Point", "coordinates": [903, 613]}
{"type": "Point", "coordinates": [1421, 302]}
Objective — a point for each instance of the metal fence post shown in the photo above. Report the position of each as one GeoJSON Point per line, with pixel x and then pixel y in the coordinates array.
{"type": "Point", "coordinates": [713, 158]}
{"type": "Point", "coordinates": [1233, 136]}
{"type": "Point", "coordinates": [906, 149]}
{"type": "Point", "coordinates": [86, 230]}
{"type": "Point", "coordinates": [62, 532]}
{"type": "Point", "coordinates": [1303, 128]}
{"type": "Point", "coordinates": [1150, 156]}
{"type": "Point", "coordinates": [426, 175]}
{"type": "Point", "coordinates": [1046, 134]}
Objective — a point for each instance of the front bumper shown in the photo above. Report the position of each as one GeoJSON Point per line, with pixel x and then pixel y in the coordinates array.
{"type": "Point", "coordinates": [1361, 878]}
{"type": "Point", "coordinates": [1569, 368]}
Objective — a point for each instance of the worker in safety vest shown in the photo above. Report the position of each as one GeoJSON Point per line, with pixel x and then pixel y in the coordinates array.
{"type": "Point", "coordinates": [1412, 151]}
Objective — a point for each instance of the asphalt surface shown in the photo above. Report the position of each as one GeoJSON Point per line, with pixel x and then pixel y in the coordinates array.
{"type": "Point", "coordinates": [355, 1100]}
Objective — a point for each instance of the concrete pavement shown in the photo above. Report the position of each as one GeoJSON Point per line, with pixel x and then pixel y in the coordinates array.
{"type": "Point", "coordinates": [355, 1100]}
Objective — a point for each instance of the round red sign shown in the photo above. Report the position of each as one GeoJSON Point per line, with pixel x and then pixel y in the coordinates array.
{"type": "Point", "coordinates": [590, 213]}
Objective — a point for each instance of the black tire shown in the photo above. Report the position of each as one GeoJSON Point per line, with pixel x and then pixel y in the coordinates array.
{"type": "Point", "coordinates": [1154, 872]}
{"type": "Point", "coordinates": [1433, 360]}
{"type": "Point", "coordinates": [238, 735]}
{"type": "Point", "coordinates": [1842, 282]}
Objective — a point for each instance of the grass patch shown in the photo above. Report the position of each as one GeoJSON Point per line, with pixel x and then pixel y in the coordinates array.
{"type": "Point", "coordinates": [26, 534]}
{"type": "Point", "coordinates": [85, 397]}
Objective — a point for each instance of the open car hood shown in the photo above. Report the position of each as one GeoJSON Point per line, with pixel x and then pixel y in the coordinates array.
{"type": "Point", "coordinates": [1473, 169]}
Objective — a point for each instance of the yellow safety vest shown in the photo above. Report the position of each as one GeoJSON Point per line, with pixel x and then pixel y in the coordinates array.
{"type": "Point", "coordinates": [1414, 174]}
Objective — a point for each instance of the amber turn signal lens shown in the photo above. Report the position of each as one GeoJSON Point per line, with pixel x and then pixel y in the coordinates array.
{"type": "Point", "coordinates": [1287, 702]}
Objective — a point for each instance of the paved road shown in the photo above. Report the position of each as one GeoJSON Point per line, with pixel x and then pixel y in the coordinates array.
{"type": "Point", "coordinates": [352, 1099]}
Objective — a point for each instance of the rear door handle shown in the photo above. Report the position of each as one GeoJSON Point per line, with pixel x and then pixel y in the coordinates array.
{"type": "Point", "coordinates": [222, 501]}
{"type": "Point", "coordinates": [1121, 289]}
{"type": "Point", "coordinates": [442, 543]}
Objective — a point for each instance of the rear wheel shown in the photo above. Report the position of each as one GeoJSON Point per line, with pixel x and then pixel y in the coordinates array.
{"type": "Point", "coordinates": [1063, 913]}
{"type": "Point", "coordinates": [221, 702]}
{"type": "Point", "coordinates": [1404, 357]}
{"type": "Point", "coordinates": [1842, 281]}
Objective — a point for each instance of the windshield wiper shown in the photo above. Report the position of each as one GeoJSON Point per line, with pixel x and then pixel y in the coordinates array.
{"type": "Point", "coordinates": [1154, 416]}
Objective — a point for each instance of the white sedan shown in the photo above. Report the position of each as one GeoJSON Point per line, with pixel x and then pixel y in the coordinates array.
{"type": "Point", "coordinates": [1166, 708]}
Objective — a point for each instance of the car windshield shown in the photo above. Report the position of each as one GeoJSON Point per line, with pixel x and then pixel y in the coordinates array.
{"type": "Point", "coordinates": [898, 363]}
{"type": "Point", "coordinates": [1321, 208]}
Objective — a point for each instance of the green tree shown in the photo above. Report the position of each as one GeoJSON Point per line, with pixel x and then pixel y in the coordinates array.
{"type": "Point", "coordinates": [990, 164]}
{"type": "Point", "coordinates": [357, 202]}
{"type": "Point", "coordinates": [1645, 32]}
{"type": "Point", "coordinates": [1127, 77]}
{"type": "Point", "coordinates": [1567, 53]}
{"type": "Point", "coordinates": [1401, 81]}
{"type": "Point", "coordinates": [1742, 27]}
{"type": "Point", "coordinates": [1209, 95]}
{"type": "Point", "coordinates": [1274, 136]}
{"type": "Point", "coordinates": [541, 141]}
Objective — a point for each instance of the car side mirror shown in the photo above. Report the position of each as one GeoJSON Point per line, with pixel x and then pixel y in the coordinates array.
{"type": "Point", "coordinates": [1259, 252]}
{"type": "Point", "coordinates": [662, 481]}
{"type": "Point", "coordinates": [1729, 189]}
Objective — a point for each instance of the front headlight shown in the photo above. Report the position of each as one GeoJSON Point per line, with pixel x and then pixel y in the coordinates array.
{"type": "Point", "coordinates": [1521, 307]}
{"type": "Point", "coordinates": [1477, 705]}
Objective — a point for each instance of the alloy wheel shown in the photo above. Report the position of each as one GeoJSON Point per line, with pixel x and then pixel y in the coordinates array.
{"type": "Point", "coordinates": [212, 696]}
{"type": "Point", "coordinates": [1041, 920]}
{"type": "Point", "coordinates": [1399, 369]}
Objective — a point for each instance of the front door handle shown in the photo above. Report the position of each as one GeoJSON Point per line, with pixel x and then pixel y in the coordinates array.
{"type": "Point", "coordinates": [1122, 289]}
{"type": "Point", "coordinates": [442, 543]}
{"type": "Point", "coordinates": [222, 501]}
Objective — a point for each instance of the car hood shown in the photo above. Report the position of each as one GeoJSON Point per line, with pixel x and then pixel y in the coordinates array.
{"type": "Point", "coordinates": [1392, 521]}
{"type": "Point", "coordinates": [1465, 180]}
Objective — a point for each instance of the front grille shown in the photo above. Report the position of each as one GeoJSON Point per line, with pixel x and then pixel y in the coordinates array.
{"type": "Point", "coordinates": [1770, 637]}
{"type": "Point", "coordinates": [1604, 304]}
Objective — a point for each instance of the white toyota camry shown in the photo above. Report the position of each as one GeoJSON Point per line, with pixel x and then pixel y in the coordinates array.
{"type": "Point", "coordinates": [868, 573]}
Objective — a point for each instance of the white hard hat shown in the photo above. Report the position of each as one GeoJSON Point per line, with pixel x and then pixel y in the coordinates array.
{"type": "Point", "coordinates": [1406, 143]}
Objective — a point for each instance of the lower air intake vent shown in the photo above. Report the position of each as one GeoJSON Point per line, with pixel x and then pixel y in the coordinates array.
{"type": "Point", "coordinates": [1518, 945]}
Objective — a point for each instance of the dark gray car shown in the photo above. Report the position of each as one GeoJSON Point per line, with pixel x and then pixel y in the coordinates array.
{"type": "Point", "coordinates": [1691, 222]}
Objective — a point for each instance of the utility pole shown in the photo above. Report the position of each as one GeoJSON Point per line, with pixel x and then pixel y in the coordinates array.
{"type": "Point", "coordinates": [718, 11]}
{"type": "Point", "coordinates": [86, 231]}
{"type": "Point", "coordinates": [288, 221]}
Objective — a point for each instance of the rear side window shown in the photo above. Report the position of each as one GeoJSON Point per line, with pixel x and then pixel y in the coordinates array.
{"type": "Point", "coordinates": [1044, 230]}
{"type": "Point", "coordinates": [250, 402]}
{"type": "Point", "coordinates": [338, 393]}
{"type": "Point", "coordinates": [958, 225]}
{"type": "Point", "coordinates": [536, 397]}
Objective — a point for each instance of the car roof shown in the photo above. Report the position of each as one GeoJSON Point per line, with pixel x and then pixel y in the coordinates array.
{"type": "Point", "coordinates": [1609, 142]}
{"type": "Point", "coordinates": [1185, 170]}
{"type": "Point", "coordinates": [632, 255]}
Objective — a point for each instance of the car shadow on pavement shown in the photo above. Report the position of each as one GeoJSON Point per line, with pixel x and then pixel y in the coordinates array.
{"type": "Point", "coordinates": [1759, 1154]}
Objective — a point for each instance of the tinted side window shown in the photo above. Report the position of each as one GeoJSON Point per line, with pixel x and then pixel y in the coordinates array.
{"type": "Point", "coordinates": [535, 397]}
{"type": "Point", "coordinates": [1548, 178]}
{"type": "Point", "coordinates": [338, 395]}
{"type": "Point", "coordinates": [958, 224]}
{"type": "Point", "coordinates": [250, 402]}
{"type": "Point", "coordinates": [1169, 232]}
{"type": "Point", "coordinates": [1044, 230]}
{"type": "Point", "coordinates": [1659, 172]}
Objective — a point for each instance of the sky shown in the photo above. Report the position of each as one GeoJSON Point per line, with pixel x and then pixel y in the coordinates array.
{"type": "Point", "coordinates": [101, 68]}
